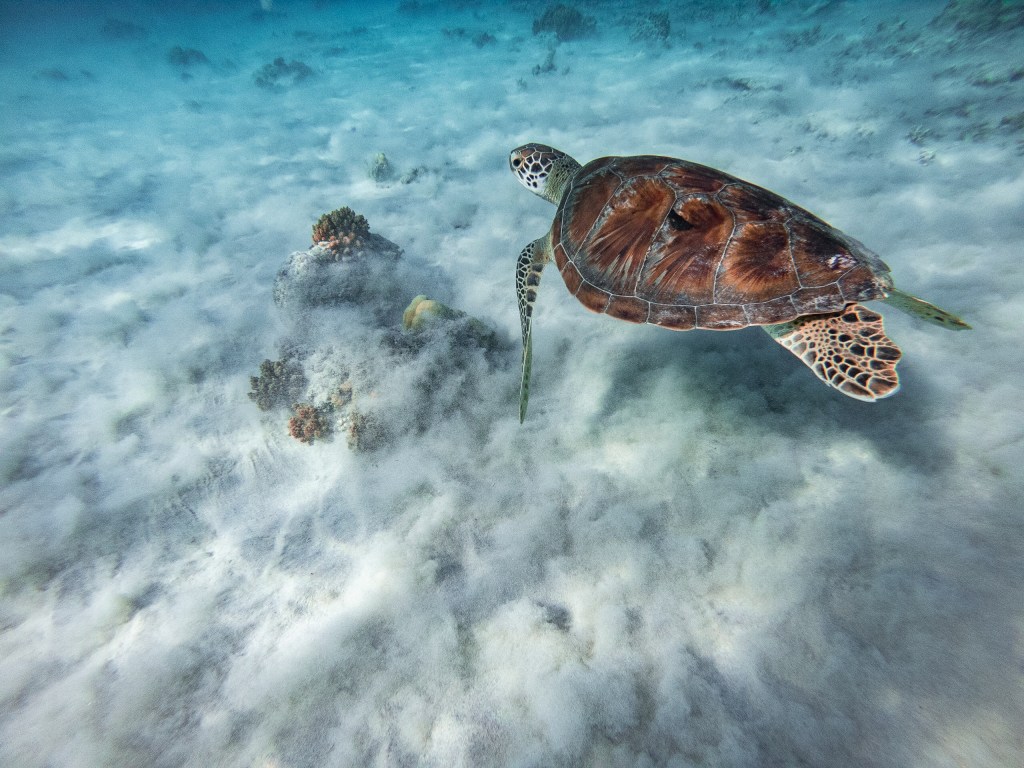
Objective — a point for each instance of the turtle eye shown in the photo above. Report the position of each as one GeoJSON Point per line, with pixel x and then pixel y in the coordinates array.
{"type": "Point", "coordinates": [516, 162]}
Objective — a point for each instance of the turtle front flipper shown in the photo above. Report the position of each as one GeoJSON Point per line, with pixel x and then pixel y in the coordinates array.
{"type": "Point", "coordinates": [528, 269]}
{"type": "Point", "coordinates": [847, 350]}
{"type": "Point", "coordinates": [924, 310]}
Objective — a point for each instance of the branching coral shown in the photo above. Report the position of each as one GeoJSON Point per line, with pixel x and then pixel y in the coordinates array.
{"type": "Point", "coordinates": [309, 423]}
{"type": "Point", "coordinates": [363, 431]}
{"type": "Point", "coordinates": [346, 264]}
{"type": "Point", "coordinates": [279, 382]}
{"type": "Point", "coordinates": [344, 232]}
{"type": "Point", "coordinates": [565, 21]}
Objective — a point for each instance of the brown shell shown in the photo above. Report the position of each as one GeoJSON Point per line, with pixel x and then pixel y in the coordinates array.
{"type": "Point", "coordinates": [663, 241]}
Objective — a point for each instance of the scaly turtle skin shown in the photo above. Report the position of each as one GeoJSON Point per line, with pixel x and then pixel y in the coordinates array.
{"type": "Point", "coordinates": [672, 243]}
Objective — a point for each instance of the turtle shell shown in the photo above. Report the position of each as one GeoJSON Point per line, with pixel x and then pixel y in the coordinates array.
{"type": "Point", "coordinates": [664, 241]}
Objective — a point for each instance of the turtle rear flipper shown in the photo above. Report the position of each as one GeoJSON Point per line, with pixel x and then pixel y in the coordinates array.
{"type": "Point", "coordinates": [924, 310]}
{"type": "Point", "coordinates": [528, 269]}
{"type": "Point", "coordinates": [847, 350]}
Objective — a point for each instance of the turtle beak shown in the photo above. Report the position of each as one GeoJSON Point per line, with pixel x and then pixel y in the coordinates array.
{"type": "Point", "coordinates": [518, 163]}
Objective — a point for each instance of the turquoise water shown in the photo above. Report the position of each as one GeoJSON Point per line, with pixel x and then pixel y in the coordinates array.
{"type": "Point", "coordinates": [690, 553]}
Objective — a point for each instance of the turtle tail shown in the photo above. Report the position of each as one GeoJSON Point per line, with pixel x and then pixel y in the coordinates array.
{"type": "Point", "coordinates": [925, 311]}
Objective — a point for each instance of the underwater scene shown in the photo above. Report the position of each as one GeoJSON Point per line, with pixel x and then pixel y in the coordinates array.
{"type": "Point", "coordinates": [279, 486]}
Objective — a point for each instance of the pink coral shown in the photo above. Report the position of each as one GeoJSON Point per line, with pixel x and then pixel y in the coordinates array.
{"type": "Point", "coordinates": [308, 423]}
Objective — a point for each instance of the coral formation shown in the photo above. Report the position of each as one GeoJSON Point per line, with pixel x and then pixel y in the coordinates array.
{"type": "Point", "coordinates": [651, 27]}
{"type": "Point", "coordinates": [366, 377]}
{"type": "Point", "coordinates": [480, 39]}
{"type": "Point", "coordinates": [413, 174]}
{"type": "Point", "coordinates": [548, 65]}
{"type": "Point", "coordinates": [565, 21]}
{"type": "Point", "coordinates": [458, 328]}
{"type": "Point", "coordinates": [326, 407]}
{"type": "Point", "coordinates": [343, 232]}
{"type": "Point", "coordinates": [347, 264]}
{"type": "Point", "coordinates": [309, 423]}
{"type": "Point", "coordinates": [280, 73]}
{"type": "Point", "coordinates": [380, 169]}
{"type": "Point", "coordinates": [919, 134]}
{"type": "Point", "coordinates": [186, 57]}
{"type": "Point", "coordinates": [979, 17]}
{"type": "Point", "coordinates": [56, 75]}
{"type": "Point", "coordinates": [341, 396]}
{"type": "Point", "coordinates": [364, 432]}
{"type": "Point", "coordinates": [422, 311]}
{"type": "Point", "coordinates": [1013, 123]}
{"type": "Point", "coordinates": [803, 38]}
{"type": "Point", "coordinates": [279, 382]}
{"type": "Point", "coordinates": [320, 276]}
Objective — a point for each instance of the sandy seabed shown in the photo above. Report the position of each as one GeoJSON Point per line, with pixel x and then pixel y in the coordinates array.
{"type": "Point", "coordinates": [691, 553]}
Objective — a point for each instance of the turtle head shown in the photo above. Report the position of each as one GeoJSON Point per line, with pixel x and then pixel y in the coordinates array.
{"type": "Point", "coordinates": [543, 170]}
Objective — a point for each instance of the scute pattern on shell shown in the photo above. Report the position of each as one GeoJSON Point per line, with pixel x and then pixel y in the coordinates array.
{"type": "Point", "coordinates": [659, 240]}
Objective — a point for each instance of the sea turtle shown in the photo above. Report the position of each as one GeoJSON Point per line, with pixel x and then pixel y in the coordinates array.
{"type": "Point", "coordinates": [659, 240]}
